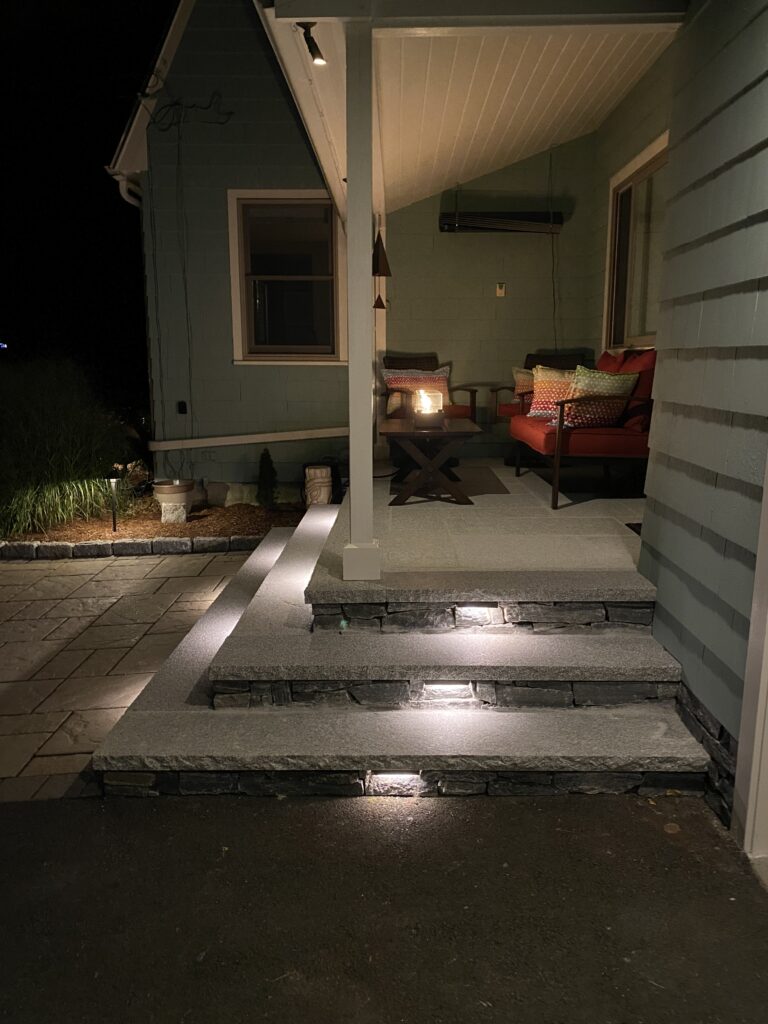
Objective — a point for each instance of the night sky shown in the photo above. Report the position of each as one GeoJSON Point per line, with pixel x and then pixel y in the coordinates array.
{"type": "Point", "coordinates": [73, 278]}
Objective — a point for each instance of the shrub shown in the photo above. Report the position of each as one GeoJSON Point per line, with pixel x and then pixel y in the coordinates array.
{"type": "Point", "coordinates": [57, 446]}
{"type": "Point", "coordinates": [267, 482]}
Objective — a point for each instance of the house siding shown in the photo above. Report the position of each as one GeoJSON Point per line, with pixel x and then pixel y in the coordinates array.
{"type": "Point", "coordinates": [225, 119]}
{"type": "Point", "coordinates": [442, 296]}
{"type": "Point", "coordinates": [710, 431]}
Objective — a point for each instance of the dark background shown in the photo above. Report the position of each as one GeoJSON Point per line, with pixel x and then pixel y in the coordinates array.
{"type": "Point", "coordinates": [73, 278]}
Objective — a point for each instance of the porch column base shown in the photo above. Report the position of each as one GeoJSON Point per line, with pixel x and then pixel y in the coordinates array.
{"type": "Point", "coordinates": [361, 561]}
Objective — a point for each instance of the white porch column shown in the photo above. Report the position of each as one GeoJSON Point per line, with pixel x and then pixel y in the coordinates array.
{"type": "Point", "coordinates": [361, 559]}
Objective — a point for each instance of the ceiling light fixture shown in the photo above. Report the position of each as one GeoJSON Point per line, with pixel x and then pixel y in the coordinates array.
{"type": "Point", "coordinates": [314, 50]}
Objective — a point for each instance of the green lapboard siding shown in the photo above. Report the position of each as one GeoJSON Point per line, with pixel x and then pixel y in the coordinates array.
{"type": "Point", "coordinates": [710, 430]}
{"type": "Point", "coordinates": [225, 119]}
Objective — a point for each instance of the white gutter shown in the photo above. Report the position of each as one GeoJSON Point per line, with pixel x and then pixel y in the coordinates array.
{"type": "Point", "coordinates": [130, 190]}
{"type": "Point", "coordinates": [130, 157]}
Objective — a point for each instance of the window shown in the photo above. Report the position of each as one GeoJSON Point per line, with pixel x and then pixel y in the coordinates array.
{"type": "Point", "coordinates": [284, 284]}
{"type": "Point", "coordinates": [637, 220]}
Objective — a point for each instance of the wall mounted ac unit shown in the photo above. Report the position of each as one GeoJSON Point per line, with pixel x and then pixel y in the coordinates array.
{"type": "Point", "coordinates": [536, 222]}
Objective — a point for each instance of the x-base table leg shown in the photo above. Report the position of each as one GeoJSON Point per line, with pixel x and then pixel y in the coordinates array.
{"type": "Point", "coordinates": [430, 476]}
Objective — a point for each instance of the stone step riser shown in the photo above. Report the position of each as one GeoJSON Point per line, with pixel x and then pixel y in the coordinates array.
{"type": "Point", "coordinates": [418, 695]}
{"type": "Point", "coordinates": [402, 784]}
{"type": "Point", "coordinates": [573, 617]}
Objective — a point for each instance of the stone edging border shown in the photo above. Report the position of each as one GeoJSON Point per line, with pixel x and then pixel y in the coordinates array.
{"type": "Point", "coordinates": [32, 550]}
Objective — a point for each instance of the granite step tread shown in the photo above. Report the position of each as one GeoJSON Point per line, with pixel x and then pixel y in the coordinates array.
{"type": "Point", "coordinates": [183, 677]}
{"type": "Point", "coordinates": [444, 656]}
{"type": "Point", "coordinates": [279, 602]}
{"type": "Point", "coordinates": [635, 738]}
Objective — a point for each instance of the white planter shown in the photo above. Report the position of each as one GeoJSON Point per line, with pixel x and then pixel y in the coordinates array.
{"type": "Point", "coordinates": [175, 497]}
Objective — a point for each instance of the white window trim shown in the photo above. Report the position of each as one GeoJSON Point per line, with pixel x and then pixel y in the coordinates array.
{"type": "Point", "coordinates": [644, 157]}
{"type": "Point", "coordinates": [241, 357]}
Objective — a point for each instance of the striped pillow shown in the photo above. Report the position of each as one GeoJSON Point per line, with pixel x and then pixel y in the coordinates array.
{"type": "Point", "coordinates": [413, 381]}
{"type": "Point", "coordinates": [549, 387]}
{"type": "Point", "coordinates": [611, 392]}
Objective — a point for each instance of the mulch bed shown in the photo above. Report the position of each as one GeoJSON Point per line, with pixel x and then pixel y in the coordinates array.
{"type": "Point", "coordinates": [144, 521]}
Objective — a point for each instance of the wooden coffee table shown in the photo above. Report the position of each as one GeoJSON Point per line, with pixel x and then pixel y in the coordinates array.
{"type": "Point", "coordinates": [430, 449]}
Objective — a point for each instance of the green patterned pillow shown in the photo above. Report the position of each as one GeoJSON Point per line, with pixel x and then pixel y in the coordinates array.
{"type": "Point", "coordinates": [611, 392]}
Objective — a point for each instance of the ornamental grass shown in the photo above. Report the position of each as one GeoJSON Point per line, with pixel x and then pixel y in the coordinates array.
{"type": "Point", "coordinates": [58, 445]}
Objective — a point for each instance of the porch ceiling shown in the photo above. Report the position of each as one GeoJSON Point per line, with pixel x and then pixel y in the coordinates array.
{"type": "Point", "coordinates": [455, 104]}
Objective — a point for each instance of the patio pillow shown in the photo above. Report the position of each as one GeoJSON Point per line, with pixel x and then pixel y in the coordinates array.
{"type": "Point", "coordinates": [523, 379]}
{"type": "Point", "coordinates": [412, 381]}
{"type": "Point", "coordinates": [611, 393]}
{"type": "Point", "coordinates": [549, 387]}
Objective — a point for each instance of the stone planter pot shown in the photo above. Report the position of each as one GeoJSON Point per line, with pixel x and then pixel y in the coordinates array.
{"type": "Point", "coordinates": [175, 497]}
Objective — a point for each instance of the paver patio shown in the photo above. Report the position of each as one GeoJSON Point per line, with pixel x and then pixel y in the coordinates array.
{"type": "Point", "coordinates": [79, 641]}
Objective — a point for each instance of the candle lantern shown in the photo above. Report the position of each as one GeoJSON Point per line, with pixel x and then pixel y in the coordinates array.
{"type": "Point", "coordinates": [427, 409]}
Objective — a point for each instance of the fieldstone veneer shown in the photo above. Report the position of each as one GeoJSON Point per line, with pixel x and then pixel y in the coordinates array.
{"type": "Point", "coordinates": [539, 617]}
{"type": "Point", "coordinates": [722, 747]}
{"type": "Point", "coordinates": [418, 694]}
{"type": "Point", "coordinates": [425, 783]}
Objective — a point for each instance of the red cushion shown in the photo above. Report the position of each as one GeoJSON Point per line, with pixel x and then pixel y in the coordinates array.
{"type": "Point", "coordinates": [610, 362]}
{"type": "Point", "coordinates": [606, 442]}
{"type": "Point", "coordinates": [637, 415]}
{"type": "Point", "coordinates": [507, 409]}
{"type": "Point", "coordinates": [627, 361]}
{"type": "Point", "coordinates": [457, 412]}
{"type": "Point", "coordinates": [643, 363]}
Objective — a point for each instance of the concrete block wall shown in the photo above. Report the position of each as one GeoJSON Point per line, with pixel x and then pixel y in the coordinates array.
{"type": "Point", "coordinates": [442, 295]}
{"type": "Point", "coordinates": [710, 432]}
{"type": "Point", "coordinates": [225, 119]}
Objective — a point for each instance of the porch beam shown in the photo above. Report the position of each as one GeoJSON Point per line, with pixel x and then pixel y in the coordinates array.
{"type": "Point", "coordinates": [361, 558]}
{"type": "Point", "coordinates": [400, 13]}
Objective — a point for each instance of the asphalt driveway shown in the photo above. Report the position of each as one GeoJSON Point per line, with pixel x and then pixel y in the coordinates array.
{"type": "Point", "coordinates": [601, 910]}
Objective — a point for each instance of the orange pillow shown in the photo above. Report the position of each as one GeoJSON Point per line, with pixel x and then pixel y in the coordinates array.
{"type": "Point", "coordinates": [549, 387]}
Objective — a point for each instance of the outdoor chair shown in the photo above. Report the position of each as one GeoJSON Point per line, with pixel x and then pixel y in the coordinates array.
{"type": "Point", "coordinates": [553, 440]}
{"type": "Point", "coordinates": [430, 363]}
{"type": "Point", "coordinates": [502, 410]}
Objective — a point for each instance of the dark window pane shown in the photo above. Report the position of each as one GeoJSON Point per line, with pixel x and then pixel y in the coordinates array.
{"type": "Point", "coordinates": [294, 315]}
{"type": "Point", "coordinates": [289, 240]}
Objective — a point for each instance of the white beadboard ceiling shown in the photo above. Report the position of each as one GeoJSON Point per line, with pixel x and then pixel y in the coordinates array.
{"type": "Point", "coordinates": [457, 104]}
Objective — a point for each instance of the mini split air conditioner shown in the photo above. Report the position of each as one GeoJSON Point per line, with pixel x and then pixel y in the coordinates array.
{"type": "Point", "coordinates": [536, 221]}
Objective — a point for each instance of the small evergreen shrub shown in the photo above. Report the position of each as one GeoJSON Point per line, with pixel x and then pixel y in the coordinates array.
{"type": "Point", "coordinates": [57, 446]}
{"type": "Point", "coordinates": [267, 482]}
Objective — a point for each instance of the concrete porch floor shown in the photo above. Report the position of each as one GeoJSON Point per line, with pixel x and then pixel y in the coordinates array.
{"type": "Point", "coordinates": [496, 544]}
{"type": "Point", "coordinates": [581, 910]}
